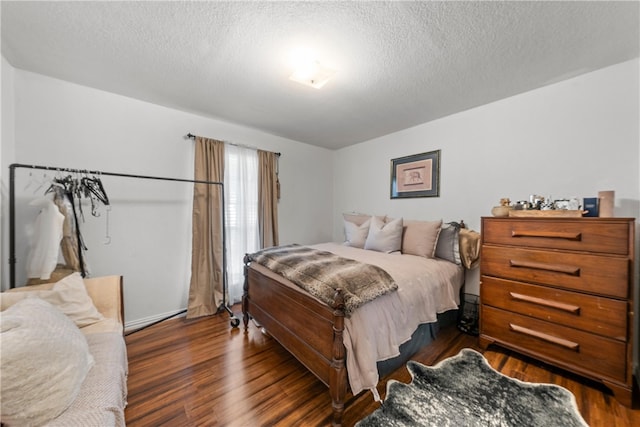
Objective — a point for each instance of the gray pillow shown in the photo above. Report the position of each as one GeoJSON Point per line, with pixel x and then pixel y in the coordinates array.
{"type": "Point", "coordinates": [448, 246]}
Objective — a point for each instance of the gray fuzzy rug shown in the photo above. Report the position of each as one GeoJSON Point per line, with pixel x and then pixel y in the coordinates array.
{"type": "Point", "coordinates": [464, 390]}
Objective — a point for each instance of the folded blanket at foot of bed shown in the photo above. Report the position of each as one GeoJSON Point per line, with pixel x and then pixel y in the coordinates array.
{"type": "Point", "coordinates": [321, 273]}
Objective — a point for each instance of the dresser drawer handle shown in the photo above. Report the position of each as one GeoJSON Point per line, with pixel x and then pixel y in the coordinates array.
{"type": "Point", "coordinates": [545, 337]}
{"type": "Point", "coordinates": [548, 234]}
{"type": "Point", "coordinates": [573, 309]}
{"type": "Point", "coordinates": [565, 269]}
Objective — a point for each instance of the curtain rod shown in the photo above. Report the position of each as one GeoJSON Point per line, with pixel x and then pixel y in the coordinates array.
{"type": "Point", "coordinates": [192, 136]}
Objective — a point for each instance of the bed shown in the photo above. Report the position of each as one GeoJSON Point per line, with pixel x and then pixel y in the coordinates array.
{"type": "Point", "coordinates": [346, 348]}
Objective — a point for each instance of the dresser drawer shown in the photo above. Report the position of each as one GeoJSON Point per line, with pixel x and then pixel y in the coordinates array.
{"type": "Point", "coordinates": [600, 315]}
{"type": "Point", "coordinates": [587, 273]}
{"type": "Point", "coordinates": [598, 236]}
{"type": "Point", "coordinates": [558, 344]}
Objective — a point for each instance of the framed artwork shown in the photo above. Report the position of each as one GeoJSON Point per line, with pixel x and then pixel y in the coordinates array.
{"type": "Point", "coordinates": [416, 176]}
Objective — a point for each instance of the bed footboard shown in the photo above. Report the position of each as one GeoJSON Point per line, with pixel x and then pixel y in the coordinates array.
{"type": "Point", "coordinates": [309, 329]}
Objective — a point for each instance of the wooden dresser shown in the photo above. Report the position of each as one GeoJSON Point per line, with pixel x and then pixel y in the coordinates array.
{"type": "Point", "coordinates": [561, 290]}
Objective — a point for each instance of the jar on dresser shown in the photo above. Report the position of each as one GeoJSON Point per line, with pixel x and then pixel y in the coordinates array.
{"type": "Point", "coordinates": [561, 290]}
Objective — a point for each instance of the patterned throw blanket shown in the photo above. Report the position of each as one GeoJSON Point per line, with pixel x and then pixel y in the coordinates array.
{"type": "Point", "coordinates": [320, 273]}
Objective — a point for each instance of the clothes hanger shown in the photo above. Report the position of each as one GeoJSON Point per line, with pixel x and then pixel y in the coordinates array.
{"type": "Point", "coordinates": [94, 190]}
{"type": "Point", "coordinates": [55, 186]}
{"type": "Point", "coordinates": [107, 237]}
{"type": "Point", "coordinates": [94, 187]}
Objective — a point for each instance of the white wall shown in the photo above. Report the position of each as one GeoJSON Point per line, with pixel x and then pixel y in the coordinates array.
{"type": "Point", "coordinates": [573, 138]}
{"type": "Point", "coordinates": [62, 124]}
{"type": "Point", "coordinates": [7, 155]}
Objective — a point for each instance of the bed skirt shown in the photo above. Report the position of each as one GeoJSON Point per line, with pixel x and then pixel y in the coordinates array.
{"type": "Point", "coordinates": [423, 336]}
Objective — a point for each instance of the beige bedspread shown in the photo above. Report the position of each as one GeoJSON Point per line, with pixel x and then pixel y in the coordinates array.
{"type": "Point", "coordinates": [375, 331]}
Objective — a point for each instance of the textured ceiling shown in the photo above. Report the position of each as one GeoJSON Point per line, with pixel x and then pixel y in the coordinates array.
{"type": "Point", "coordinates": [399, 64]}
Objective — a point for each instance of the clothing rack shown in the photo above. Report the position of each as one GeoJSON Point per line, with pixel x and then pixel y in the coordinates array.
{"type": "Point", "coordinates": [192, 136]}
{"type": "Point", "coordinates": [12, 233]}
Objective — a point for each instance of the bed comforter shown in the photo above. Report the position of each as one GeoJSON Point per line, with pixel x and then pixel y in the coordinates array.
{"type": "Point", "coordinates": [375, 331]}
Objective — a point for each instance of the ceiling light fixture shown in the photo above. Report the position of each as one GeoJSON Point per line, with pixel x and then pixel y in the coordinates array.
{"type": "Point", "coordinates": [310, 72]}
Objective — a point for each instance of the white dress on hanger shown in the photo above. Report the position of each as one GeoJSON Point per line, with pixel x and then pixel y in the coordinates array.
{"type": "Point", "coordinates": [45, 243]}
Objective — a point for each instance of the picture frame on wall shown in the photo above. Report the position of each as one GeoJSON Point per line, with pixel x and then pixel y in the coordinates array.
{"type": "Point", "coordinates": [417, 175]}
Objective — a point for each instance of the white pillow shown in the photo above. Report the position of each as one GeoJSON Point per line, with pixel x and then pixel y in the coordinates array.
{"type": "Point", "coordinates": [384, 237]}
{"type": "Point", "coordinates": [45, 359]}
{"type": "Point", "coordinates": [356, 235]}
{"type": "Point", "coordinates": [69, 295]}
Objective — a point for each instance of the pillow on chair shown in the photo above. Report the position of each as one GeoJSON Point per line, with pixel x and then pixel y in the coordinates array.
{"type": "Point", "coordinates": [45, 359]}
{"type": "Point", "coordinates": [69, 295]}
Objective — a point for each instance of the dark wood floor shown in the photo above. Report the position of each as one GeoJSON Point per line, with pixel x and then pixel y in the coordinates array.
{"type": "Point", "coordinates": [204, 373]}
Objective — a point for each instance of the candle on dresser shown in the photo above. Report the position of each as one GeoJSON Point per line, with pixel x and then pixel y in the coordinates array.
{"type": "Point", "coordinates": [606, 203]}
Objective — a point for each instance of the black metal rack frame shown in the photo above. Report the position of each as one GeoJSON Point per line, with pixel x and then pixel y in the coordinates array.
{"type": "Point", "coordinates": [12, 232]}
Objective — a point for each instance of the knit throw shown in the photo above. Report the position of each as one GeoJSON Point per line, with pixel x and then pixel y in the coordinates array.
{"type": "Point", "coordinates": [321, 273]}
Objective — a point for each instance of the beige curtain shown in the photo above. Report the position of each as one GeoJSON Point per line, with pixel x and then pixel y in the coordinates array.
{"type": "Point", "coordinates": [205, 289]}
{"type": "Point", "coordinates": [268, 195]}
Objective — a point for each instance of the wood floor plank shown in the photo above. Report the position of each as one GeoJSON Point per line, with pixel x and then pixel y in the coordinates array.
{"type": "Point", "coordinates": [204, 373]}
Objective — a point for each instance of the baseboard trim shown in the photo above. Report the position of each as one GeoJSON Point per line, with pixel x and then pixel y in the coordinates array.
{"type": "Point", "coordinates": [134, 325]}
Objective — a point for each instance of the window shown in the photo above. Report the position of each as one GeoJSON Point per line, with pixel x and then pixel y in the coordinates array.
{"type": "Point", "coordinates": [241, 213]}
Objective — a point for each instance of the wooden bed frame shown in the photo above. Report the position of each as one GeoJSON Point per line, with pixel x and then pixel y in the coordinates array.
{"type": "Point", "coordinates": [309, 329]}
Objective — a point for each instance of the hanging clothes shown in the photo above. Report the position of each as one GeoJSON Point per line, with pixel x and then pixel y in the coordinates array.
{"type": "Point", "coordinates": [71, 248]}
{"type": "Point", "coordinates": [67, 191]}
{"type": "Point", "coordinates": [45, 241]}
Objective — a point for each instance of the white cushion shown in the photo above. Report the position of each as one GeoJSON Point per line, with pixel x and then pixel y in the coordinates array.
{"type": "Point", "coordinates": [45, 359]}
{"type": "Point", "coordinates": [69, 295]}
{"type": "Point", "coordinates": [420, 237]}
{"type": "Point", "coordinates": [384, 237]}
{"type": "Point", "coordinates": [356, 235]}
